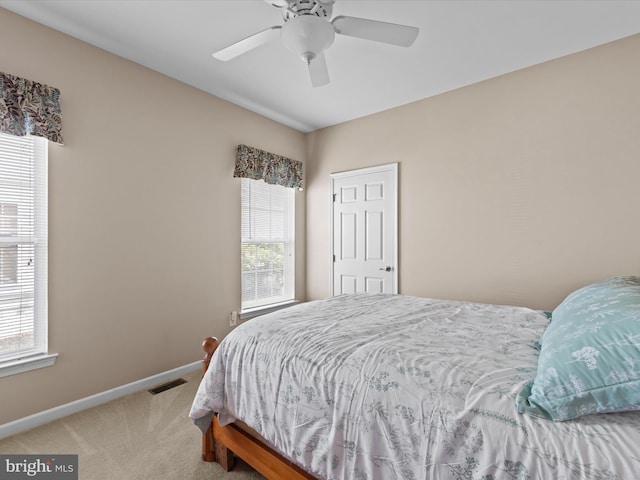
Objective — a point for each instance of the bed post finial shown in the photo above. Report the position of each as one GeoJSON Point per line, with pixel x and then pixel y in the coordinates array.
{"type": "Point", "coordinates": [209, 346]}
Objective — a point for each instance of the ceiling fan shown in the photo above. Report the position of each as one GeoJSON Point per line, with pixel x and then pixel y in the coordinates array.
{"type": "Point", "coordinates": [308, 32]}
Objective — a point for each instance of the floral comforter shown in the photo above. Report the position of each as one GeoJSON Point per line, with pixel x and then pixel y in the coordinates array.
{"type": "Point", "coordinates": [383, 387]}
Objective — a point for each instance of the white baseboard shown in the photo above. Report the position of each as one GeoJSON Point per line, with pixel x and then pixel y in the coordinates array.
{"type": "Point", "coordinates": [40, 418]}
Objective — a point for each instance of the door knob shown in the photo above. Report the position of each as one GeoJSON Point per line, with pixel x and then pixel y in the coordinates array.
{"type": "Point", "coordinates": [386, 269]}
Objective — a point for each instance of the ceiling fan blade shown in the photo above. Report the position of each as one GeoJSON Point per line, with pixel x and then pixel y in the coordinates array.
{"type": "Point", "coordinates": [393, 33]}
{"type": "Point", "coordinates": [318, 71]}
{"type": "Point", "coordinates": [247, 44]}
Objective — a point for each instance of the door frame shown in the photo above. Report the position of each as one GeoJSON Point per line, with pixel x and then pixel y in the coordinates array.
{"type": "Point", "coordinates": [391, 167]}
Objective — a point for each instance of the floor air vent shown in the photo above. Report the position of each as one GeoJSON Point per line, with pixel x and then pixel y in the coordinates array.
{"type": "Point", "coordinates": [167, 386]}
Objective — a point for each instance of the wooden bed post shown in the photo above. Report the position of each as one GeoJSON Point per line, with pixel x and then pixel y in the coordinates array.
{"type": "Point", "coordinates": [208, 453]}
{"type": "Point", "coordinates": [209, 345]}
{"type": "Point", "coordinates": [212, 450]}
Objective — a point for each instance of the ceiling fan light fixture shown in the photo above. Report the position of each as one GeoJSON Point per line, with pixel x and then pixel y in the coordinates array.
{"type": "Point", "coordinates": [307, 36]}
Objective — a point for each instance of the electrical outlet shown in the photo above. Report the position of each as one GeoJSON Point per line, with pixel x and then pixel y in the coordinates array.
{"type": "Point", "coordinates": [233, 319]}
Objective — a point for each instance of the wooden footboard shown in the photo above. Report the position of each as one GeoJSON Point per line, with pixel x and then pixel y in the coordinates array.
{"type": "Point", "coordinates": [220, 444]}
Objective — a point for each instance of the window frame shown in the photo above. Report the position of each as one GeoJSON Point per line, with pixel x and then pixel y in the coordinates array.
{"type": "Point", "coordinates": [35, 356]}
{"type": "Point", "coordinates": [250, 236]}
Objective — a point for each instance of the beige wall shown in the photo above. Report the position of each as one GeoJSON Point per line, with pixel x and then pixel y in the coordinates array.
{"type": "Point", "coordinates": [144, 217]}
{"type": "Point", "coordinates": [515, 190]}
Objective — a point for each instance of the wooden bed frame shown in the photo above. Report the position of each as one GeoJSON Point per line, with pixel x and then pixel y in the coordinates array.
{"type": "Point", "coordinates": [223, 444]}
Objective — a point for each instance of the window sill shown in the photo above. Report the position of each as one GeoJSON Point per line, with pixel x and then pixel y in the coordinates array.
{"type": "Point", "coordinates": [13, 367]}
{"type": "Point", "coordinates": [255, 312]}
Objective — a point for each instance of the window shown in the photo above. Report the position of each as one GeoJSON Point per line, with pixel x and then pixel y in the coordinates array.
{"type": "Point", "coordinates": [23, 248]}
{"type": "Point", "coordinates": [267, 248]}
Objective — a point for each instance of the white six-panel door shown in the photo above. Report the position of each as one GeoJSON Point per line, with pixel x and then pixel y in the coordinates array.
{"type": "Point", "coordinates": [364, 257]}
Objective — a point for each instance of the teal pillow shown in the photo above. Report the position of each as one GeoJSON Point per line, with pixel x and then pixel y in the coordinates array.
{"type": "Point", "coordinates": [590, 354]}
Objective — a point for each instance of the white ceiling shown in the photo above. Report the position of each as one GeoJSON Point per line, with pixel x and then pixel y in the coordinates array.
{"type": "Point", "coordinates": [460, 43]}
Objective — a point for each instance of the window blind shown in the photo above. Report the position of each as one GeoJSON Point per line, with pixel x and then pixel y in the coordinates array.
{"type": "Point", "coordinates": [267, 249]}
{"type": "Point", "coordinates": [23, 246]}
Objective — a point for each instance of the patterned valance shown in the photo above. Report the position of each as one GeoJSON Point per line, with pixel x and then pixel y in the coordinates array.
{"type": "Point", "coordinates": [29, 108]}
{"type": "Point", "coordinates": [274, 169]}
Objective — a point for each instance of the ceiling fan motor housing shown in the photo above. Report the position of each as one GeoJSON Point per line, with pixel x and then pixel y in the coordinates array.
{"type": "Point", "coordinates": [293, 8]}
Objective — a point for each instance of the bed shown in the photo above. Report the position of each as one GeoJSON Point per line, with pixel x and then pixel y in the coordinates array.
{"type": "Point", "coordinates": [374, 386]}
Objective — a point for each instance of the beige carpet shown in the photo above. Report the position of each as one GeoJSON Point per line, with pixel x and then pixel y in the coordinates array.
{"type": "Point", "coordinates": [138, 437]}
